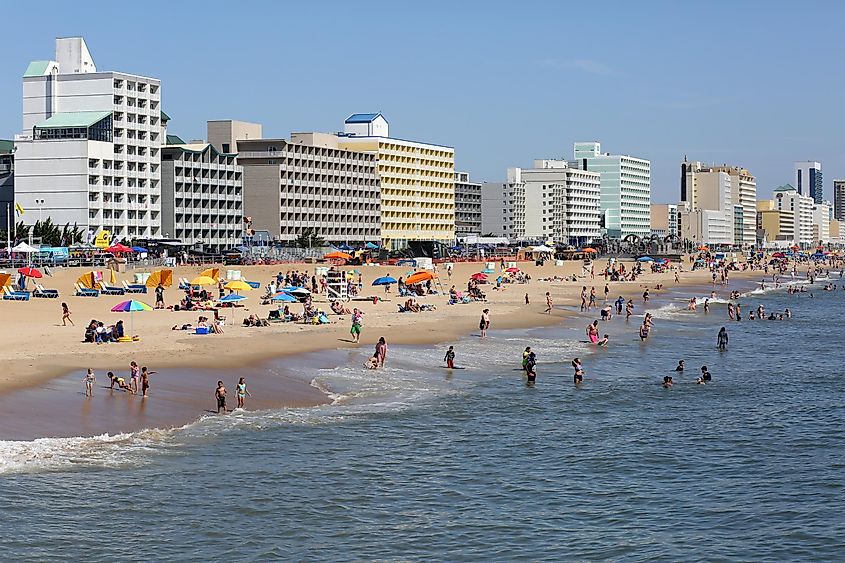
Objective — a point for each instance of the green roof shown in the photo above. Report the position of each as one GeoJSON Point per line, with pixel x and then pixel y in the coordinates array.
{"type": "Point", "coordinates": [6, 146]}
{"type": "Point", "coordinates": [164, 116]}
{"type": "Point", "coordinates": [784, 188]}
{"type": "Point", "coordinates": [73, 119]}
{"type": "Point", "coordinates": [175, 140]}
{"type": "Point", "coordinates": [36, 68]}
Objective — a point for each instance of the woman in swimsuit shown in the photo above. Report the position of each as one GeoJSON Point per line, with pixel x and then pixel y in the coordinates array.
{"type": "Point", "coordinates": [89, 383]}
{"type": "Point", "coordinates": [593, 332]}
{"type": "Point", "coordinates": [242, 392]}
{"type": "Point", "coordinates": [579, 372]}
{"type": "Point", "coordinates": [484, 323]}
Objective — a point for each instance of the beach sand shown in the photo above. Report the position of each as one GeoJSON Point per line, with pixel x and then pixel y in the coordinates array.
{"type": "Point", "coordinates": [41, 390]}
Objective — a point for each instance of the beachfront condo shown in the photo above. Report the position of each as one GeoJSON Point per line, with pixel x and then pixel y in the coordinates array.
{"type": "Point", "coordinates": [787, 198]}
{"type": "Point", "coordinates": [467, 205]}
{"type": "Point", "coordinates": [625, 189]}
{"type": "Point", "coordinates": [809, 180]}
{"type": "Point", "coordinates": [417, 182]}
{"type": "Point", "coordinates": [201, 195]}
{"type": "Point", "coordinates": [503, 207]}
{"type": "Point", "coordinates": [89, 153]}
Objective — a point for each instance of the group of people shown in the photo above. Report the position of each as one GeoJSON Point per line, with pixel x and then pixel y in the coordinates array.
{"type": "Point", "coordinates": [139, 381]}
{"type": "Point", "coordinates": [100, 333]}
{"type": "Point", "coordinates": [241, 393]}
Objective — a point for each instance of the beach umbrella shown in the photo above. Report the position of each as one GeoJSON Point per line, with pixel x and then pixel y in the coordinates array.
{"type": "Point", "coordinates": [337, 256]}
{"type": "Point", "coordinates": [139, 249]}
{"type": "Point", "coordinates": [371, 246]}
{"type": "Point", "coordinates": [419, 277]}
{"type": "Point", "coordinates": [645, 259]}
{"type": "Point", "coordinates": [232, 298]}
{"type": "Point", "coordinates": [589, 250]}
{"type": "Point", "coordinates": [384, 280]}
{"type": "Point", "coordinates": [29, 272]}
{"type": "Point", "coordinates": [24, 248]}
{"type": "Point", "coordinates": [238, 285]}
{"type": "Point", "coordinates": [203, 280]}
{"type": "Point", "coordinates": [283, 297]}
{"type": "Point", "coordinates": [703, 248]}
{"type": "Point", "coordinates": [512, 270]}
{"type": "Point", "coordinates": [479, 276]}
{"type": "Point", "coordinates": [131, 306]}
{"type": "Point", "coordinates": [118, 249]}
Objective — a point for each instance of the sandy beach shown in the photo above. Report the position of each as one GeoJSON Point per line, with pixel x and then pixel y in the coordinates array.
{"type": "Point", "coordinates": [40, 354]}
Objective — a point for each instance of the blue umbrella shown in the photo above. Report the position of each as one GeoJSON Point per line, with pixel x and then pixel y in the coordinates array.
{"type": "Point", "coordinates": [139, 249]}
{"type": "Point", "coordinates": [645, 259]}
{"type": "Point", "coordinates": [284, 297]}
{"type": "Point", "coordinates": [232, 298]}
{"type": "Point", "coordinates": [385, 280]}
{"type": "Point", "coordinates": [371, 246]}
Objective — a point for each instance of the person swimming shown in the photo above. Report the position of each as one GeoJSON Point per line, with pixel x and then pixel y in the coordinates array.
{"type": "Point", "coordinates": [667, 381]}
{"type": "Point", "coordinates": [603, 341]}
{"type": "Point", "coordinates": [705, 375]}
{"type": "Point", "coordinates": [680, 367]}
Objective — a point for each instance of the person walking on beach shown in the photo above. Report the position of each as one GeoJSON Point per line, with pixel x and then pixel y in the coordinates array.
{"type": "Point", "coordinates": [134, 377]}
{"type": "Point", "coordinates": [722, 339]}
{"type": "Point", "coordinates": [66, 315]}
{"type": "Point", "coordinates": [145, 381]}
{"type": "Point", "coordinates": [484, 323]}
{"type": "Point", "coordinates": [355, 331]}
{"type": "Point", "coordinates": [548, 303]}
{"type": "Point", "coordinates": [89, 383]}
{"type": "Point", "coordinates": [159, 297]}
{"type": "Point", "coordinates": [449, 358]}
{"type": "Point", "coordinates": [220, 395]}
{"type": "Point", "coordinates": [381, 352]}
{"type": "Point", "coordinates": [241, 391]}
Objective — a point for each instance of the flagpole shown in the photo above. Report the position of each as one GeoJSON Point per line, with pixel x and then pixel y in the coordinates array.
{"type": "Point", "coordinates": [9, 228]}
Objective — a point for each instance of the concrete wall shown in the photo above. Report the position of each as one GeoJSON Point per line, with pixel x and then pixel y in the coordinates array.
{"type": "Point", "coordinates": [224, 134]}
{"type": "Point", "coordinates": [261, 197]}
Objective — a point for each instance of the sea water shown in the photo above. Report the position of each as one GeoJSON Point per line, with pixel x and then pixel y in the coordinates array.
{"type": "Point", "coordinates": [416, 462]}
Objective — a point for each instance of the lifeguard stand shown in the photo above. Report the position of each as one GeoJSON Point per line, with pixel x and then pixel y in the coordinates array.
{"type": "Point", "coordinates": [336, 289]}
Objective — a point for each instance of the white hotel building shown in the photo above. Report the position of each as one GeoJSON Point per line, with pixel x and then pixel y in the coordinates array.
{"type": "Point", "coordinates": [89, 153]}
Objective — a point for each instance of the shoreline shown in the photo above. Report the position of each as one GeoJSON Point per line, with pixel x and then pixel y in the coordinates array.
{"type": "Point", "coordinates": [295, 391]}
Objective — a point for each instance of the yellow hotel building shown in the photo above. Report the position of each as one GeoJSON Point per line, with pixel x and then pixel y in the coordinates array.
{"type": "Point", "coordinates": [417, 182]}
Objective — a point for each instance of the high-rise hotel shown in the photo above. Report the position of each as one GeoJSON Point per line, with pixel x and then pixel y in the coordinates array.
{"type": "Point", "coordinates": [89, 153]}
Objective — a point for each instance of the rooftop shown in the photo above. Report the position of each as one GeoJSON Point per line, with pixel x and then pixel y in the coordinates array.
{"type": "Point", "coordinates": [36, 68]}
{"type": "Point", "coordinates": [73, 119]}
{"type": "Point", "coordinates": [363, 117]}
{"type": "Point", "coordinates": [6, 146]}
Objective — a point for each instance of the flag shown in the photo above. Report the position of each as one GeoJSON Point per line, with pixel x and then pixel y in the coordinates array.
{"type": "Point", "coordinates": [18, 209]}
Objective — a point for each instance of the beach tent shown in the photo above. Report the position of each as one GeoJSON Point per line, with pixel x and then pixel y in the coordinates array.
{"type": "Point", "coordinates": [24, 248]}
{"type": "Point", "coordinates": [213, 273]}
{"type": "Point", "coordinates": [5, 279]}
{"type": "Point", "coordinates": [163, 277]}
{"type": "Point", "coordinates": [541, 249]}
{"type": "Point", "coordinates": [87, 280]}
{"type": "Point", "coordinates": [118, 249]}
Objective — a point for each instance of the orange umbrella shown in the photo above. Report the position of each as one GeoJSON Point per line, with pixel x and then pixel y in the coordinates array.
{"type": "Point", "coordinates": [703, 248]}
{"type": "Point", "coordinates": [338, 255]}
{"type": "Point", "coordinates": [419, 277]}
{"type": "Point", "coordinates": [589, 250]}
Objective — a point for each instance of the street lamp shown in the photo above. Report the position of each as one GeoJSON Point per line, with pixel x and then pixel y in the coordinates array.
{"type": "Point", "coordinates": [40, 203]}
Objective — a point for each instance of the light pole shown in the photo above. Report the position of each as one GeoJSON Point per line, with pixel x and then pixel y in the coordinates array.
{"type": "Point", "coordinates": [40, 203]}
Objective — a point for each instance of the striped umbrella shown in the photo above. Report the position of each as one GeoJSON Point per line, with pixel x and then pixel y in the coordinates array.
{"type": "Point", "coordinates": [131, 306]}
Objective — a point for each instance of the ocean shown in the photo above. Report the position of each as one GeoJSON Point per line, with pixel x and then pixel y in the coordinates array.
{"type": "Point", "coordinates": [417, 462]}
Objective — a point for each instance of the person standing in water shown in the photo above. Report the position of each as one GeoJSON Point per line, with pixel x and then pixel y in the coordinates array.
{"type": "Point", "coordinates": [644, 331]}
{"type": "Point", "coordinates": [593, 332]}
{"type": "Point", "coordinates": [722, 339]}
{"type": "Point", "coordinates": [530, 369]}
{"type": "Point", "coordinates": [89, 383]}
{"type": "Point", "coordinates": [484, 323]}
{"type": "Point", "coordinates": [145, 381]}
{"type": "Point", "coordinates": [241, 392]}
{"type": "Point", "coordinates": [381, 351]}
{"type": "Point", "coordinates": [66, 315]}
{"type": "Point", "coordinates": [549, 303]}
{"type": "Point", "coordinates": [220, 395]}
{"type": "Point", "coordinates": [578, 377]}
{"type": "Point", "coordinates": [629, 309]}
{"type": "Point", "coordinates": [449, 358]}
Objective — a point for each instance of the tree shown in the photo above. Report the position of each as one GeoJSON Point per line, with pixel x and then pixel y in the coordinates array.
{"type": "Point", "coordinates": [48, 233]}
{"type": "Point", "coordinates": [309, 239]}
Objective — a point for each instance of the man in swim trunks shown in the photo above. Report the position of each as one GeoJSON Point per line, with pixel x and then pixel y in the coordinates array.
{"type": "Point", "coordinates": [220, 395]}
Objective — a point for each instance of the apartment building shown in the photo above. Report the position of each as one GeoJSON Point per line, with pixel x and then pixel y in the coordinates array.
{"type": "Point", "coordinates": [821, 223]}
{"type": "Point", "coordinates": [788, 199]}
{"type": "Point", "coordinates": [839, 200]}
{"type": "Point", "coordinates": [664, 219]}
{"type": "Point", "coordinates": [308, 182]}
{"type": "Point", "coordinates": [625, 189]}
{"type": "Point", "coordinates": [467, 205]}
{"type": "Point", "coordinates": [201, 196]}
{"type": "Point", "coordinates": [776, 226]}
{"type": "Point", "coordinates": [7, 183]}
{"type": "Point", "coordinates": [417, 181]}
{"type": "Point", "coordinates": [809, 180]}
{"type": "Point", "coordinates": [89, 153]}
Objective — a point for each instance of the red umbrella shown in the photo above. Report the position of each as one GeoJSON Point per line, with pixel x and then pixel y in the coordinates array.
{"type": "Point", "coordinates": [118, 249]}
{"type": "Point", "coordinates": [479, 276]}
{"type": "Point", "coordinates": [512, 270]}
{"type": "Point", "coordinates": [29, 272]}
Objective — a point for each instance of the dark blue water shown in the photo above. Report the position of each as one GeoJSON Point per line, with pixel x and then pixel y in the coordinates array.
{"type": "Point", "coordinates": [417, 463]}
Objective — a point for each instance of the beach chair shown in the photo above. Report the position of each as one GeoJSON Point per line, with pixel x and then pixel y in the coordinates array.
{"type": "Point", "coordinates": [110, 290]}
{"type": "Point", "coordinates": [85, 292]}
{"type": "Point", "coordinates": [184, 283]}
{"type": "Point", "coordinates": [9, 295]}
{"type": "Point", "coordinates": [45, 293]}
{"type": "Point", "coordinates": [253, 285]}
{"type": "Point", "coordinates": [134, 287]}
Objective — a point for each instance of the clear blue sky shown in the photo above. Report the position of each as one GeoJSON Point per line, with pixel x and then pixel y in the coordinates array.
{"type": "Point", "coordinates": [759, 84]}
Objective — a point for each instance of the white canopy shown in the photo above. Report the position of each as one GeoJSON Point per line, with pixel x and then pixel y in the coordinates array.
{"type": "Point", "coordinates": [25, 248]}
{"type": "Point", "coordinates": [542, 248]}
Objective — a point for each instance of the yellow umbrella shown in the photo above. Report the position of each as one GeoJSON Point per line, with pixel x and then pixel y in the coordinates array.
{"type": "Point", "coordinates": [238, 285]}
{"type": "Point", "coordinates": [203, 280]}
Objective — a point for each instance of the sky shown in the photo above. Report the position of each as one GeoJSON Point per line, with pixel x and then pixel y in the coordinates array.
{"type": "Point", "coordinates": [755, 84]}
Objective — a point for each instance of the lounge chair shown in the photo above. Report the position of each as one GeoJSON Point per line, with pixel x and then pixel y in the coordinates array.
{"type": "Point", "coordinates": [85, 292]}
{"type": "Point", "coordinates": [110, 290]}
{"type": "Point", "coordinates": [134, 287]}
{"type": "Point", "coordinates": [184, 283]}
{"type": "Point", "coordinates": [46, 293]}
{"type": "Point", "coordinates": [253, 285]}
{"type": "Point", "coordinates": [10, 295]}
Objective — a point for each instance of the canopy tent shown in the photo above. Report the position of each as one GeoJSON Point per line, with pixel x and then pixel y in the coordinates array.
{"type": "Point", "coordinates": [541, 249]}
{"type": "Point", "coordinates": [371, 246]}
{"type": "Point", "coordinates": [162, 277]}
{"type": "Point", "coordinates": [139, 249]}
{"type": "Point", "coordinates": [119, 249]}
{"type": "Point", "coordinates": [213, 273]}
{"type": "Point", "coordinates": [24, 248]}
